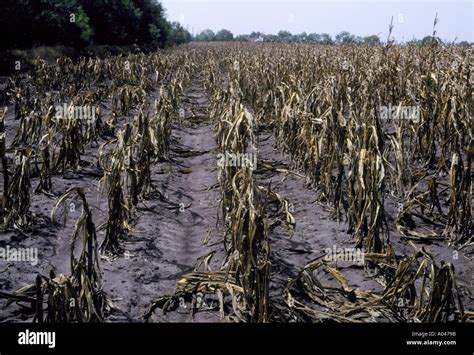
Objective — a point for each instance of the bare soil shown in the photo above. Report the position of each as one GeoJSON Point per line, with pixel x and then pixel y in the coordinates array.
{"type": "Point", "coordinates": [179, 223]}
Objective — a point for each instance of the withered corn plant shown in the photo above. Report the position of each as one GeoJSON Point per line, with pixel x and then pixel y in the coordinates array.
{"type": "Point", "coordinates": [17, 207]}
{"type": "Point", "coordinates": [369, 127]}
{"type": "Point", "coordinates": [46, 172]}
{"type": "Point", "coordinates": [246, 274]}
{"type": "Point", "coordinates": [459, 225]}
{"type": "Point", "coordinates": [3, 157]}
{"type": "Point", "coordinates": [418, 291]}
{"type": "Point", "coordinates": [74, 298]}
{"type": "Point", "coordinates": [423, 291]}
{"type": "Point", "coordinates": [243, 208]}
{"type": "Point", "coordinates": [366, 125]}
{"type": "Point", "coordinates": [115, 164]}
{"type": "Point", "coordinates": [79, 297]}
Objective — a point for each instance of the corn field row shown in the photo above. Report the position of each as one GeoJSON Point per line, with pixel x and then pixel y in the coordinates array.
{"type": "Point", "coordinates": [369, 128]}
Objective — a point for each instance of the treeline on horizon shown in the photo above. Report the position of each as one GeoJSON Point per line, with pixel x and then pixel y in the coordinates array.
{"type": "Point", "coordinates": [343, 37]}
{"type": "Point", "coordinates": [123, 23]}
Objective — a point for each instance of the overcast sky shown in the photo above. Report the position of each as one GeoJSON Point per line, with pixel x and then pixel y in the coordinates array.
{"type": "Point", "coordinates": [412, 18]}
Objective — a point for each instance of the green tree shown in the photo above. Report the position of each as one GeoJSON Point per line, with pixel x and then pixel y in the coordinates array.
{"type": "Point", "coordinates": [301, 38]}
{"type": "Point", "coordinates": [326, 39]}
{"type": "Point", "coordinates": [373, 40]}
{"type": "Point", "coordinates": [242, 38]}
{"type": "Point", "coordinates": [463, 44]}
{"type": "Point", "coordinates": [206, 36]}
{"type": "Point", "coordinates": [285, 36]}
{"type": "Point", "coordinates": [255, 35]}
{"type": "Point", "coordinates": [178, 34]}
{"type": "Point", "coordinates": [224, 35]}
{"type": "Point", "coordinates": [24, 23]}
{"type": "Point", "coordinates": [428, 40]}
{"type": "Point", "coordinates": [314, 38]}
{"type": "Point", "coordinates": [154, 29]}
{"type": "Point", "coordinates": [345, 37]}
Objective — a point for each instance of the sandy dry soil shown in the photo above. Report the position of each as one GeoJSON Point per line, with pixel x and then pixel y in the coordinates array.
{"type": "Point", "coordinates": [179, 224]}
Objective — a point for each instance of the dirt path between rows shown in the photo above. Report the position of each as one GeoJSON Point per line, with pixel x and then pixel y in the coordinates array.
{"type": "Point", "coordinates": [173, 231]}
{"type": "Point", "coordinates": [167, 238]}
{"type": "Point", "coordinates": [173, 224]}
